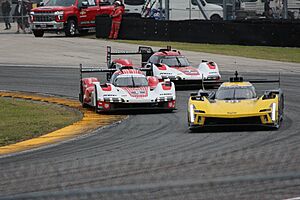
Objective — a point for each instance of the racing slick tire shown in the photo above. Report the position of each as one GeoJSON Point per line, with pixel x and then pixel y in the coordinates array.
{"type": "Point", "coordinates": [95, 99]}
{"type": "Point", "coordinates": [71, 28]}
{"type": "Point", "coordinates": [38, 33]}
{"type": "Point", "coordinates": [280, 113]}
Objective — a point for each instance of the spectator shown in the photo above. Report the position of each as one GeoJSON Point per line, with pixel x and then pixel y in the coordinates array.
{"type": "Point", "coordinates": [267, 9]}
{"type": "Point", "coordinates": [6, 8]}
{"type": "Point", "coordinates": [116, 16]}
{"type": "Point", "coordinates": [20, 16]}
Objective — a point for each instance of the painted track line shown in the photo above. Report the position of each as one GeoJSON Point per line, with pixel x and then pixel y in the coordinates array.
{"type": "Point", "coordinates": [90, 121]}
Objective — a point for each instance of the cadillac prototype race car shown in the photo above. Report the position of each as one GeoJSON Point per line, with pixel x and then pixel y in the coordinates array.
{"type": "Point", "coordinates": [171, 64]}
{"type": "Point", "coordinates": [235, 103]}
{"type": "Point", "coordinates": [127, 89]}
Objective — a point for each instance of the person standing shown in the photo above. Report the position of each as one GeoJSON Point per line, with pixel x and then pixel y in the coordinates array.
{"type": "Point", "coordinates": [116, 16]}
{"type": "Point", "coordinates": [6, 8]}
{"type": "Point", "coordinates": [20, 15]}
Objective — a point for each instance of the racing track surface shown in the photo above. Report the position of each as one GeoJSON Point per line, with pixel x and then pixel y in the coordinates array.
{"type": "Point", "coordinates": [153, 156]}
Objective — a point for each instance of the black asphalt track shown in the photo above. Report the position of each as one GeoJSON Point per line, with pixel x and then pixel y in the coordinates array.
{"type": "Point", "coordinates": [154, 156]}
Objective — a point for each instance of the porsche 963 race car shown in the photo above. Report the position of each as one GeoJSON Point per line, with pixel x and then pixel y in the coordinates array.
{"type": "Point", "coordinates": [235, 103]}
{"type": "Point", "coordinates": [127, 89]}
{"type": "Point", "coordinates": [171, 64]}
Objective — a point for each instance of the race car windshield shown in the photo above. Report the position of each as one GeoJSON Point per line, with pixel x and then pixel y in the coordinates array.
{"type": "Point", "coordinates": [235, 93]}
{"type": "Point", "coordinates": [60, 3]}
{"type": "Point", "coordinates": [175, 61]}
{"type": "Point", "coordinates": [131, 81]}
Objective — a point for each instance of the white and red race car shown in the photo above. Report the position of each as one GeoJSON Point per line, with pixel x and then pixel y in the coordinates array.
{"type": "Point", "coordinates": [171, 64]}
{"type": "Point", "coordinates": [167, 63]}
{"type": "Point", "coordinates": [128, 89]}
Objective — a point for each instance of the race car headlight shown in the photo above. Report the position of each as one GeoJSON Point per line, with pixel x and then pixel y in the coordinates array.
{"type": "Point", "coordinates": [273, 113]}
{"type": "Point", "coordinates": [192, 113]}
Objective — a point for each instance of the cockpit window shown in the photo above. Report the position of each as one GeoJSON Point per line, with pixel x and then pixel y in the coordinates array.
{"type": "Point", "coordinates": [175, 61]}
{"type": "Point", "coordinates": [235, 93]}
{"type": "Point", "coordinates": [130, 81]}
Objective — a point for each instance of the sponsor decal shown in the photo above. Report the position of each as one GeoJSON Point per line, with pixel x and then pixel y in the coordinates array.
{"type": "Point", "coordinates": [231, 113]}
{"type": "Point", "coordinates": [139, 92]}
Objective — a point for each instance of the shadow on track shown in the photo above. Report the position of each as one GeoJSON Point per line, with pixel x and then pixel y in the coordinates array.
{"type": "Point", "coordinates": [219, 129]}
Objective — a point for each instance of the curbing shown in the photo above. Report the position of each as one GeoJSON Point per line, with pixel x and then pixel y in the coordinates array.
{"type": "Point", "coordinates": [90, 121]}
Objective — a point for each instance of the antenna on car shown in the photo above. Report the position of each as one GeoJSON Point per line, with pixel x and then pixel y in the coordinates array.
{"type": "Point", "coordinates": [237, 78]}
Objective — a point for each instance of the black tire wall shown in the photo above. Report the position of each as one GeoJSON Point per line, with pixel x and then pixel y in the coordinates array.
{"type": "Point", "coordinates": [282, 33]}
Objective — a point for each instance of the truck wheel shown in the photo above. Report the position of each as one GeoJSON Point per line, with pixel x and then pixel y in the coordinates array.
{"type": "Point", "coordinates": [71, 28]}
{"type": "Point", "coordinates": [215, 18]}
{"type": "Point", "coordinates": [38, 33]}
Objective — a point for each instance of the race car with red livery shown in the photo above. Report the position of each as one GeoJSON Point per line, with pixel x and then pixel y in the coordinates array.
{"type": "Point", "coordinates": [168, 63]}
{"type": "Point", "coordinates": [171, 64]}
{"type": "Point", "coordinates": [128, 89]}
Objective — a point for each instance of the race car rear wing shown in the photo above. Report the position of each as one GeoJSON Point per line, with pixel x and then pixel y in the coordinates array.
{"type": "Point", "coordinates": [144, 51]}
{"type": "Point", "coordinates": [238, 78]}
{"type": "Point", "coordinates": [92, 70]}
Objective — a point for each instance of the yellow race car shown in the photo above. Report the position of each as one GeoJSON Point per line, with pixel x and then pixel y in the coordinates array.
{"type": "Point", "coordinates": [235, 103]}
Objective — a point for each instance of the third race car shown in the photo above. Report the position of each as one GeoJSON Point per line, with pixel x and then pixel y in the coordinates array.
{"type": "Point", "coordinates": [236, 103]}
{"type": "Point", "coordinates": [171, 64]}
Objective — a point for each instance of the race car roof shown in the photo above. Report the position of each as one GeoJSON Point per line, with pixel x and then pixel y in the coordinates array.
{"type": "Point", "coordinates": [167, 53]}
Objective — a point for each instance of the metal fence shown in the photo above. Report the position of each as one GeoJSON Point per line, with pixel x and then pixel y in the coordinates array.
{"type": "Point", "coordinates": [224, 9]}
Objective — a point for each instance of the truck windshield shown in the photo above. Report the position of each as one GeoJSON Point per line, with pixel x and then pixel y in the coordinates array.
{"type": "Point", "coordinates": [175, 61]}
{"type": "Point", "coordinates": [131, 81]}
{"type": "Point", "coordinates": [64, 3]}
{"type": "Point", "coordinates": [235, 93]}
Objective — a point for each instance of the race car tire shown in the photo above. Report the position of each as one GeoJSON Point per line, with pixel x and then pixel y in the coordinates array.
{"type": "Point", "coordinates": [71, 28]}
{"type": "Point", "coordinates": [38, 33]}
{"type": "Point", "coordinates": [281, 108]}
{"type": "Point", "coordinates": [95, 100]}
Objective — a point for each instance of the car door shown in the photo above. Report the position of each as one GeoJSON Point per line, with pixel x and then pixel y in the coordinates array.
{"type": "Point", "coordinates": [87, 15]}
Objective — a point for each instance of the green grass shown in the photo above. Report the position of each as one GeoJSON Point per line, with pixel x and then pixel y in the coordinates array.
{"type": "Point", "coordinates": [23, 119]}
{"type": "Point", "coordinates": [261, 52]}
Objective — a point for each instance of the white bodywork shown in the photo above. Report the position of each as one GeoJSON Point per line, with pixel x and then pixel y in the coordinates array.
{"type": "Point", "coordinates": [105, 97]}
{"type": "Point", "coordinates": [186, 73]}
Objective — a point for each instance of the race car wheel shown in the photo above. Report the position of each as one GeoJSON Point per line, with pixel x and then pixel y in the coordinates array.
{"type": "Point", "coordinates": [71, 28]}
{"type": "Point", "coordinates": [95, 100]}
{"type": "Point", "coordinates": [38, 33]}
{"type": "Point", "coordinates": [281, 108]}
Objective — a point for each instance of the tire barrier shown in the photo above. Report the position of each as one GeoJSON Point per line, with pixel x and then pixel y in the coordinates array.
{"type": "Point", "coordinates": [284, 33]}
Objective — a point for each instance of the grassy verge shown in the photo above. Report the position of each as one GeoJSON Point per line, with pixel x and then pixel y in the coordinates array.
{"type": "Point", "coordinates": [268, 53]}
{"type": "Point", "coordinates": [23, 119]}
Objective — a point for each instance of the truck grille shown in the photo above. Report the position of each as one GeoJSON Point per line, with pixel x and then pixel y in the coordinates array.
{"type": "Point", "coordinates": [44, 17]}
